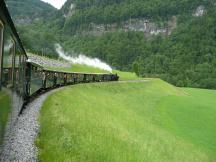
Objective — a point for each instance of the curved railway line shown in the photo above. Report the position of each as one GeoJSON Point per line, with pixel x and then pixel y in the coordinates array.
{"type": "Point", "coordinates": [23, 80]}
{"type": "Point", "coordinates": [19, 142]}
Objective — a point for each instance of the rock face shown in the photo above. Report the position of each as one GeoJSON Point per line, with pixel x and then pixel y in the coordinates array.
{"type": "Point", "coordinates": [142, 25]}
{"type": "Point", "coordinates": [71, 11]}
{"type": "Point", "coordinates": [200, 11]}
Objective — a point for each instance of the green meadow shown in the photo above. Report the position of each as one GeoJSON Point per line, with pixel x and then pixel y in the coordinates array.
{"type": "Point", "coordinates": [126, 76]}
{"type": "Point", "coordinates": [79, 68]}
{"type": "Point", "coordinates": [142, 121]}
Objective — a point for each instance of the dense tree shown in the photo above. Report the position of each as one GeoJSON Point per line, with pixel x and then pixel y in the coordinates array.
{"type": "Point", "coordinates": [185, 58]}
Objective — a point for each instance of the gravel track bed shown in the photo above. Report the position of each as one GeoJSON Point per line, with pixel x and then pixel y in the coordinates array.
{"type": "Point", "coordinates": [20, 137]}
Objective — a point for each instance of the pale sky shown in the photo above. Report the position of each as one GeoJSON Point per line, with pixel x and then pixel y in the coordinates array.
{"type": "Point", "coordinates": [56, 3]}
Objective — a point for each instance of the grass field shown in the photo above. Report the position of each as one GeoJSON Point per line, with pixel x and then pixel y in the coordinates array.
{"type": "Point", "coordinates": [79, 68]}
{"type": "Point", "coordinates": [126, 75]}
{"type": "Point", "coordinates": [4, 111]}
{"type": "Point", "coordinates": [149, 121]}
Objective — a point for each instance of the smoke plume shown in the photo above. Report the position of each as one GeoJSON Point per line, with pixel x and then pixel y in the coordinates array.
{"type": "Point", "coordinates": [82, 59]}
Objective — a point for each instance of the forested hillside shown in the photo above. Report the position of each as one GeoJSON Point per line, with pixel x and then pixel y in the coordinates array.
{"type": "Point", "coordinates": [28, 11]}
{"type": "Point", "coordinates": [186, 58]}
{"type": "Point", "coordinates": [30, 18]}
{"type": "Point", "coordinates": [119, 11]}
{"type": "Point", "coordinates": [171, 39]}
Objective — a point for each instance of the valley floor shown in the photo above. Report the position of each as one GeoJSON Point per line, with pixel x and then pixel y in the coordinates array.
{"type": "Point", "coordinates": [128, 121]}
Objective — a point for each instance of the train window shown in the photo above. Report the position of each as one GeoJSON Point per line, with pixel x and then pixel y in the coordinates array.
{"type": "Point", "coordinates": [1, 49]}
{"type": "Point", "coordinates": [17, 70]}
{"type": "Point", "coordinates": [22, 72]}
{"type": "Point", "coordinates": [9, 51]}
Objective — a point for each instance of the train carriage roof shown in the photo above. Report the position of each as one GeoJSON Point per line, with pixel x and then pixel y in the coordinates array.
{"type": "Point", "coordinates": [34, 64]}
{"type": "Point", "coordinates": [7, 20]}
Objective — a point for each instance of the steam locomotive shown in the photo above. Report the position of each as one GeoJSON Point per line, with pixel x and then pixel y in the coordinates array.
{"type": "Point", "coordinates": [20, 78]}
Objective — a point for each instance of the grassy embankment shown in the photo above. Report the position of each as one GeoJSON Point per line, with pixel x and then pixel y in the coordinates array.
{"type": "Point", "coordinates": [4, 111]}
{"type": "Point", "coordinates": [79, 68]}
{"type": "Point", "coordinates": [137, 122]}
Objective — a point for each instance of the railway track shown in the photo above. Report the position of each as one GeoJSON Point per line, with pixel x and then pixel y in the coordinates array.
{"type": "Point", "coordinates": [25, 80]}
{"type": "Point", "coordinates": [19, 142]}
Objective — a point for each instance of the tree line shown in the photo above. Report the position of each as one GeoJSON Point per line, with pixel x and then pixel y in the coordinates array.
{"type": "Point", "coordinates": [185, 58]}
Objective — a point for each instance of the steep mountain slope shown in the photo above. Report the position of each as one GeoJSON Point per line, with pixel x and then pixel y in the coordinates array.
{"type": "Point", "coordinates": [31, 18]}
{"type": "Point", "coordinates": [28, 11]}
{"type": "Point", "coordinates": [83, 14]}
{"type": "Point", "coordinates": [186, 56]}
{"type": "Point", "coordinates": [171, 39]}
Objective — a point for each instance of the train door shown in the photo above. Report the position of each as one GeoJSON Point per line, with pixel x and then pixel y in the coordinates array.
{"type": "Point", "coordinates": [23, 74]}
{"type": "Point", "coordinates": [1, 50]}
{"type": "Point", "coordinates": [17, 70]}
{"type": "Point", "coordinates": [13, 50]}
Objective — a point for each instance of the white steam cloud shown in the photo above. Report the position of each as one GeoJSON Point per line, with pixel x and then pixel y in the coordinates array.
{"type": "Point", "coordinates": [82, 59]}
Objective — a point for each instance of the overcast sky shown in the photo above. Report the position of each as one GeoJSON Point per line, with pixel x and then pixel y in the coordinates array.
{"type": "Point", "coordinates": [56, 3]}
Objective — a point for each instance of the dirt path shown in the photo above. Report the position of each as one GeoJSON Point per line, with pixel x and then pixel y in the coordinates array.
{"type": "Point", "coordinates": [133, 81]}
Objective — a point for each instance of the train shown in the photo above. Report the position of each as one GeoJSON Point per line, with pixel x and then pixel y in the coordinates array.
{"type": "Point", "coordinates": [21, 79]}
{"type": "Point", "coordinates": [39, 79]}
